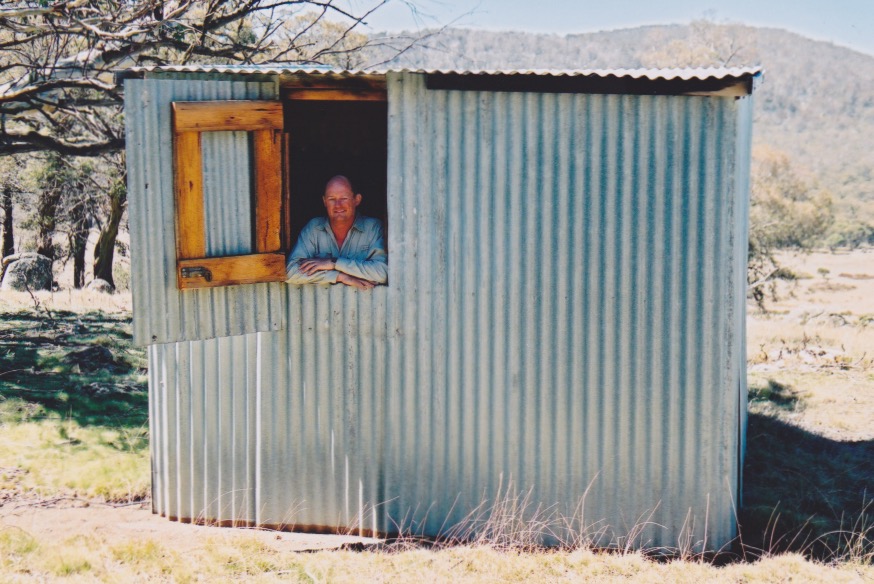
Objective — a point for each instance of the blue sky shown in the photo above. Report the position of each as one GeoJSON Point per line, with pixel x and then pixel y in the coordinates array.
{"type": "Point", "coordinates": [848, 23]}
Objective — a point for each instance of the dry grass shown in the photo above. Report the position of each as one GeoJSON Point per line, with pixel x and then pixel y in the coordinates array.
{"type": "Point", "coordinates": [843, 289]}
{"type": "Point", "coordinates": [243, 558]}
{"type": "Point", "coordinates": [51, 458]}
{"type": "Point", "coordinates": [68, 300]}
{"type": "Point", "coordinates": [817, 343]}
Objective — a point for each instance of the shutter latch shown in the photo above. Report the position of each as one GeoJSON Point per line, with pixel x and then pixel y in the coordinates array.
{"type": "Point", "coordinates": [197, 271]}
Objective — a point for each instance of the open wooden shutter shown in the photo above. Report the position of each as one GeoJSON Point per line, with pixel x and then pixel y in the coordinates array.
{"type": "Point", "coordinates": [264, 120]}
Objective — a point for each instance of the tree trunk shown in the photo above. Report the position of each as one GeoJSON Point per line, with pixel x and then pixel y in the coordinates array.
{"type": "Point", "coordinates": [104, 252]}
{"type": "Point", "coordinates": [8, 238]}
{"type": "Point", "coordinates": [77, 243]}
{"type": "Point", "coordinates": [47, 208]}
{"type": "Point", "coordinates": [78, 240]}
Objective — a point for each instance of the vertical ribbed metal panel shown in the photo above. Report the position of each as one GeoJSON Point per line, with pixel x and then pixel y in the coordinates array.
{"type": "Point", "coordinates": [227, 193]}
{"type": "Point", "coordinates": [740, 231]}
{"type": "Point", "coordinates": [563, 316]}
{"type": "Point", "coordinates": [162, 313]}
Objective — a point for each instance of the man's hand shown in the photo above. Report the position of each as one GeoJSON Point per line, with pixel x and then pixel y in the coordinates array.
{"type": "Point", "coordinates": [313, 265]}
{"type": "Point", "coordinates": [354, 282]}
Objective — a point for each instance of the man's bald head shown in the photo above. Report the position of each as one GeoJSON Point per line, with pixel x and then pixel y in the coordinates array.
{"type": "Point", "coordinates": [339, 181]}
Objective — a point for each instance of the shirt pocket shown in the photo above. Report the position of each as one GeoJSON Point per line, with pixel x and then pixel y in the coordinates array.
{"type": "Point", "coordinates": [324, 252]}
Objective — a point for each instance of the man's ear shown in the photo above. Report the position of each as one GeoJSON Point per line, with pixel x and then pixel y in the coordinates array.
{"type": "Point", "coordinates": [357, 199]}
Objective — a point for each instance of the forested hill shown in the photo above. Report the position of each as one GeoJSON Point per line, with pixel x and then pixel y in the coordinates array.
{"type": "Point", "coordinates": [816, 103]}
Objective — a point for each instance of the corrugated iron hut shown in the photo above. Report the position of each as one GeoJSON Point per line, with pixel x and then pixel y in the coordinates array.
{"type": "Point", "coordinates": [563, 321]}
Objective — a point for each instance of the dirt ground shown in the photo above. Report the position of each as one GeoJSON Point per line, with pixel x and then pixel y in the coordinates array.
{"type": "Point", "coordinates": [60, 519]}
{"type": "Point", "coordinates": [816, 341]}
{"type": "Point", "coordinates": [840, 282]}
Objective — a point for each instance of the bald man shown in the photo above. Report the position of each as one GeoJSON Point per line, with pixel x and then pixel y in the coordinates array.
{"type": "Point", "coordinates": [341, 248]}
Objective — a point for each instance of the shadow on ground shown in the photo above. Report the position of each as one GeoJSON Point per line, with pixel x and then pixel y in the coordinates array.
{"type": "Point", "coordinates": [77, 366]}
{"type": "Point", "coordinates": [804, 492]}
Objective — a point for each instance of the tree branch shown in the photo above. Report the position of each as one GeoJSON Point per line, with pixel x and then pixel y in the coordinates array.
{"type": "Point", "coordinates": [47, 86]}
{"type": "Point", "coordinates": [55, 55]}
{"type": "Point", "coordinates": [20, 143]}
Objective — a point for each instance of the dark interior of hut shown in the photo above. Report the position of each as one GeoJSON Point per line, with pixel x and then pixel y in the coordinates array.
{"type": "Point", "coordinates": [327, 138]}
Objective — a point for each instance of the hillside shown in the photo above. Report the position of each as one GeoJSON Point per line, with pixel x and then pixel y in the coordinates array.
{"type": "Point", "coordinates": [816, 103]}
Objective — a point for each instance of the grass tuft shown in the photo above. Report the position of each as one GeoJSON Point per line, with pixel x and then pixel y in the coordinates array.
{"type": "Point", "coordinates": [75, 556]}
{"type": "Point", "coordinates": [854, 543]}
{"type": "Point", "coordinates": [775, 393]}
{"type": "Point", "coordinates": [15, 543]}
{"type": "Point", "coordinates": [244, 556]}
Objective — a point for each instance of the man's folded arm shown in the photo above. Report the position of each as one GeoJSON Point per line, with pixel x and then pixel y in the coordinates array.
{"type": "Point", "coordinates": [306, 248]}
{"type": "Point", "coordinates": [295, 276]}
{"type": "Point", "coordinates": [374, 267]}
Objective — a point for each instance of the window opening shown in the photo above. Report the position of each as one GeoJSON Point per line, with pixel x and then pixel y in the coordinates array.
{"type": "Point", "coordinates": [344, 135]}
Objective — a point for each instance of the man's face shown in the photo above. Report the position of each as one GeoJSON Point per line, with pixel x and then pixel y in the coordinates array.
{"type": "Point", "coordinates": [340, 201]}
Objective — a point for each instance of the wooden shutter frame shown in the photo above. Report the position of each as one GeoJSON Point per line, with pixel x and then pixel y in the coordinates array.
{"type": "Point", "coordinates": [265, 120]}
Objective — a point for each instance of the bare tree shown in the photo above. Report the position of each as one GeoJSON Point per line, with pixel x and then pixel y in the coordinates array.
{"type": "Point", "coordinates": [66, 196]}
{"type": "Point", "coordinates": [52, 179]}
{"type": "Point", "coordinates": [787, 210]}
{"type": "Point", "coordinates": [72, 195]}
{"type": "Point", "coordinates": [57, 87]}
{"type": "Point", "coordinates": [114, 205]}
{"type": "Point", "coordinates": [704, 44]}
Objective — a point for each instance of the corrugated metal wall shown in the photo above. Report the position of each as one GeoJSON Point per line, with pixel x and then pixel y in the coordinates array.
{"type": "Point", "coordinates": [563, 315]}
{"type": "Point", "coordinates": [161, 312]}
{"type": "Point", "coordinates": [739, 241]}
{"type": "Point", "coordinates": [227, 193]}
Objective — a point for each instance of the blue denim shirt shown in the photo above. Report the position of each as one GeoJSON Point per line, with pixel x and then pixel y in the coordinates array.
{"type": "Point", "coordinates": [362, 255]}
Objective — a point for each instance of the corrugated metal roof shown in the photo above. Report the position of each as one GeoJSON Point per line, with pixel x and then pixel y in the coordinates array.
{"type": "Point", "coordinates": [686, 74]}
